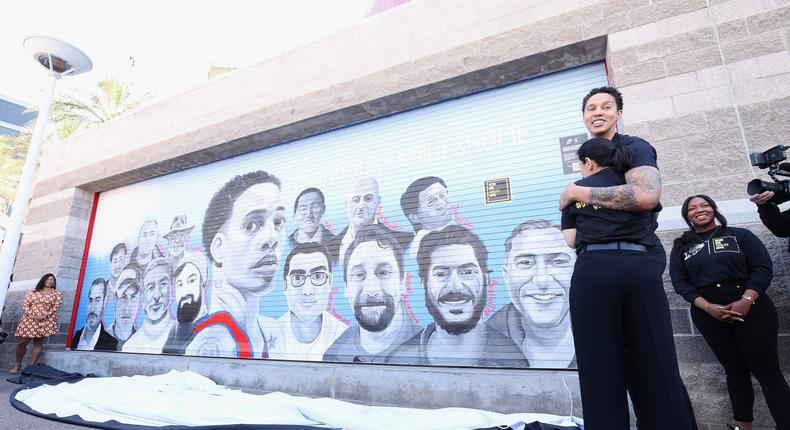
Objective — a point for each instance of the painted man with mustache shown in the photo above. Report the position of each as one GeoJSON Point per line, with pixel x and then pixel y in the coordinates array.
{"type": "Point", "coordinates": [92, 335]}
{"type": "Point", "coordinates": [244, 235]}
{"type": "Point", "coordinates": [177, 238]}
{"type": "Point", "coordinates": [190, 284]}
{"type": "Point", "coordinates": [147, 246]}
{"type": "Point", "coordinates": [362, 202]}
{"type": "Point", "coordinates": [454, 273]}
{"type": "Point", "coordinates": [157, 285]}
{"type": "Point", "coordinates": [309, 208]}
{"type": "Point", "coordinates": [373, 273]}
{"type": "Point", "coordinates": [538, 269]}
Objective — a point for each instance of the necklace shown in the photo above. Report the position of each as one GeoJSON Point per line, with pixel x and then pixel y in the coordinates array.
{"type": "Point", "coordinates": [709, 236]}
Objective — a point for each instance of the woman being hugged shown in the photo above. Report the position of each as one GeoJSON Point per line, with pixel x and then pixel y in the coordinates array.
{"type": "Point", "coordinates": [724, 273]}
{"type": "Point", "coordinates": [622, 329]}
{"type": "Point", "coordinates": [39, 319]}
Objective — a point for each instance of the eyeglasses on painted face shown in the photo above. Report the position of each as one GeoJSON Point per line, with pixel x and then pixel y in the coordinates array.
{"type": "Point", "coordinates": [316, 278]}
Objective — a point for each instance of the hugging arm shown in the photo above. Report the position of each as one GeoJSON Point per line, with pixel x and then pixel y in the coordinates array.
{"type": "Point", "coordinates": [641, 192]}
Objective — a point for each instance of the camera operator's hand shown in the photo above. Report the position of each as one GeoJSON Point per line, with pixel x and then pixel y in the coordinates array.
{"type": "Point", "coordinates": [762, 197]}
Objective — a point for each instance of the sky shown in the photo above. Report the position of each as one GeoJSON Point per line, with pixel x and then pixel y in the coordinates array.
{"type": "Point", "coordinates": [172, 43]}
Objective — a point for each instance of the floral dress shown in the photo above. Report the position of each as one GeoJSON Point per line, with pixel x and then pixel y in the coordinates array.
{"type": "Point", "coordinates": [39, 304]}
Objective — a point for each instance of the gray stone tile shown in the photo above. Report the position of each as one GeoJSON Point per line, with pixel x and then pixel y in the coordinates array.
{"type": "Point", "coordinates": [696, 59]}
{"type": "Point", "coordinates": [768, 21]}
{"type": "Point", "coordinates": [733, 30]}
{"type": "Point", "coordinates": [752, 46]}
{"type": "Point", "coordinates": [681, 321]}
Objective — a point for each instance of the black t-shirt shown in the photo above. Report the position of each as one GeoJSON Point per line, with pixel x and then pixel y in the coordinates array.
{"type": "Point", "coordinates": [643, 153]}
{"type": "Point", "coordinates": [600, 225]}
{"type": "Point", "coordinates": [734, 254]}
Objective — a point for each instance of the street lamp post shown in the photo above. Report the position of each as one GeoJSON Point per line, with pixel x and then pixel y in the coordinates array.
{"type": "Point", "coordinates": [59, 59]}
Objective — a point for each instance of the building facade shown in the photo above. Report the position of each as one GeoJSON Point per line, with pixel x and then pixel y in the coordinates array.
{"type": "Point", "coordinates": [415, 149]}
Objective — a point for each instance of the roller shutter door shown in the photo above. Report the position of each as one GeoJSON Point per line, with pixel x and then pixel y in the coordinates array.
{"type": "Point", "coordinates": [196, 259]}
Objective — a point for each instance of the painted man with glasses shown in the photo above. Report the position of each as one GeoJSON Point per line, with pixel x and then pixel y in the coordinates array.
{"type": "Point", "coordinates": [426, 204]}
{"type": "Point", "coordinates": [537, 271]}
{"type": "Point", "coordinates": [309, 208]}
{"type": "Point", "coordinates": [307, 329]}
{"type": "Point", "coordinates": [454, 273]}
{"type": "Point", "coordinates": [373, 272]}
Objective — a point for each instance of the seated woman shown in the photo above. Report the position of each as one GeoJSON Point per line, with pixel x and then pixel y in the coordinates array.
{"type": "Point", "coordinates": [724, 273]}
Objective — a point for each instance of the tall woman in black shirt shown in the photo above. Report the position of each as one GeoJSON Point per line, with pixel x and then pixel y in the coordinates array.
{"type": "Point", "coordinates": [724, 272]}
{"type": "Point", "coordinates": [622, 329]}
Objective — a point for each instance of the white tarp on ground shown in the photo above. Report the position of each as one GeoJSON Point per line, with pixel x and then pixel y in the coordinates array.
{"type": "Point", "coordinates": [186, 398]}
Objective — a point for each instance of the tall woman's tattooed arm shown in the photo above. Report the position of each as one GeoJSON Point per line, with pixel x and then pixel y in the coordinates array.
{"type": "Point", "coordinates": [641, 192]}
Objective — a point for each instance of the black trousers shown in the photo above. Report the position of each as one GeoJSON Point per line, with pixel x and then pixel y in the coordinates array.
{"type": "Point", "coordinates": [744, 349]}
{"type": "Point", "coordinates": [623, 337]}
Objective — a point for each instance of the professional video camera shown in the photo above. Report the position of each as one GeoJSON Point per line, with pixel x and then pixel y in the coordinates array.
{"type": "Point", "coordinates": [770, 160]}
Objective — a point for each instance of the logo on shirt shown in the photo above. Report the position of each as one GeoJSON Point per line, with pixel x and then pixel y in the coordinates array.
{"type": "Point", "coordinates": [725, 244]}
{"type": "Point", "coordinates": [581, 205]}
{"type": "Point", "coordinates": [693, 251]}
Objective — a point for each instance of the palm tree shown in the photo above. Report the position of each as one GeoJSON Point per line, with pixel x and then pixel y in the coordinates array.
{"type": "Point", "coordinates": [69, 114]}
{"type": "Point", "coordinates": [72, 113]}
{"type": "Point", "coordinates": [12, 158]}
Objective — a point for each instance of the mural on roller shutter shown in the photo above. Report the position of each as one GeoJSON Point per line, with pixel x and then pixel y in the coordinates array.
{"type": "Point", "coordinates": [373, 243]}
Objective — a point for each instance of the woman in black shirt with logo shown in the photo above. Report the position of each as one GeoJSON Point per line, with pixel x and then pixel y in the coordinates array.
{"type": "Point", "coordinates": [724, 273]}
{"type": "Point", "coordinates": [622, 329]}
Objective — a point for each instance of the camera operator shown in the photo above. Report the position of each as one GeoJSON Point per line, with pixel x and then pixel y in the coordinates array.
{"type": "Point", "coordinates": [767, 195]}
{"type": "Point", "coordinates": [776, 221]}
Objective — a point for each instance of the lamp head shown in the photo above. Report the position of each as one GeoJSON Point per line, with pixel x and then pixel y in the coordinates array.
{"type": "Point", "coordinates": [57, 56]}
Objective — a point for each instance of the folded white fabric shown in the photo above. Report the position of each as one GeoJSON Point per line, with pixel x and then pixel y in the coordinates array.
{"type": "Point", "coordinates": [187, 398]}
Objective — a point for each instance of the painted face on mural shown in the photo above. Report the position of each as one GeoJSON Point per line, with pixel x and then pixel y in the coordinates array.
{"type": "Point", "coordinates": [435, 210]}
{"type": "Point", "coordinates": [373, 285]}
{"type": "Point", "coordinates": [538, 275]}
{"type": "Point", "coordinates": [146, 240]}
{"type": "Point", "coordinates": [455, 289]}
{"type": "Point", "coordinates": [95, 308]}
{"type": "Point", "coordinates": [362, 202]}
{"type": "Point", "coordinates": [117, 262]}
{"type": "Point", "coordinates": [308, 285]}
{"type": "Point", "coordinates": [189, 289]}
{"type": "Point", "coordinates": [156, 292]}
{"type": "Point", "coordinates": [249, 245]}
{"type": "Point", "coordinates": [127, 302]}
{"type": "Point", "coordinates": [176, 243]}
{"type": "Point", "coordinates": [309, 210]}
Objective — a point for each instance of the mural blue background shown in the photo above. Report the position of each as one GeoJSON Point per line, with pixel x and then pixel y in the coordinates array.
{"type": "Point", "coordinates": [512, 132]}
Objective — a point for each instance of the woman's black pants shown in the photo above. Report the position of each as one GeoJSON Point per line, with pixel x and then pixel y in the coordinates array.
{"type": "Point", "coordinates": [623, 336]}
{"type": "Point", "coordinates": [744, 349]}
